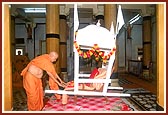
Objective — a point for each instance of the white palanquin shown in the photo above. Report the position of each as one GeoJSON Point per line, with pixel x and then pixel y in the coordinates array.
{"type": "Point", "coordinates": [86, 38]}
{"type": "Point", "coordinates": [95, 34]}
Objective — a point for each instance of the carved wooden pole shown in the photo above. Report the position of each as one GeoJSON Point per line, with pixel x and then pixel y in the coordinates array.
{"type": "Point", "coordinates": [52, 31]}
{"type": "Point", "coordinates": [110, 14]}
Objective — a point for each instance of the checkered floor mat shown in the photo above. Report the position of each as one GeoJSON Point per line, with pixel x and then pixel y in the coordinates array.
{"type": "Point", "coordinates": [88, 104]}
{"type": "Point", "coordinates": [124, 81]}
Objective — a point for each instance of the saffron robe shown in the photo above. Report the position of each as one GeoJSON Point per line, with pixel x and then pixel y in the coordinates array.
{"type": "Point", "coordinates": [33, 85]}
{"type": "Point", "coordinates": [100, 74]}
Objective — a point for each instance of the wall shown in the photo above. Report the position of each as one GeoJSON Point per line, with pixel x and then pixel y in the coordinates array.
{"type": "Point", "coordinates": [38, 33]}
{"type": "Point", "coordinates": [128, 48]}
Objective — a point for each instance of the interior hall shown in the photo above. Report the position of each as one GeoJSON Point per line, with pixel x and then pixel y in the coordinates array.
{"type": "Point", "coordinates": [30, 30]}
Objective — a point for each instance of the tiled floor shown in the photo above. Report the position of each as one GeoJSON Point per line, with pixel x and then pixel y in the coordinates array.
{"type": "Point", "coordinates": [125, 80]}
{"type": "Point", "coordinates": [19, 100]}
{"type": "Point", "coordinates": [138, 82]}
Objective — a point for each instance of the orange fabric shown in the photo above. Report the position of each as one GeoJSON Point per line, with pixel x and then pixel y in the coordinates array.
{"type": "Point", "coordinates": [32, 84]}
{"type": "Point", "coordinates": [17, 80]}
{"type": "Point", "coordinates": [34, 91]}
{"type": "Point", "coordinates": [99, 74]}
{"type": "Point", "coordinates": [19, 63]}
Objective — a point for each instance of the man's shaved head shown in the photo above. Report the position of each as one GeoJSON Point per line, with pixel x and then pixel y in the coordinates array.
{"type": "Point", "coordinates": [53, 56]}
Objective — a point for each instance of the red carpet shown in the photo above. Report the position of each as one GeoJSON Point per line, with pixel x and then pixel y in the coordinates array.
{"type": "Point", "coordinates": [88, 104]}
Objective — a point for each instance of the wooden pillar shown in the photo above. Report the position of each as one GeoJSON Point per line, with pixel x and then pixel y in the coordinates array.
{"type": "Point", "coordinates": [7, 63]}
{"type": "Point", "coordinates": [161, 58]}
{"type": "Point", "coordinates": [12, 36]}
{"type": "Point", "coordinates": [147, 46]}
{"type": "Point", "coordinates": [52, 31]}
{"type": "Point", "coordinates": [63, 47]}
{"type": "Point", "coordinates": [63, 43]}
{"type": "Point", "coordinates": [110, 15]}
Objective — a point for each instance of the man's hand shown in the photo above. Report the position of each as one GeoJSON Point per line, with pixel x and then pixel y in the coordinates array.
{"type": "Point", "coordinates": [63, 84]}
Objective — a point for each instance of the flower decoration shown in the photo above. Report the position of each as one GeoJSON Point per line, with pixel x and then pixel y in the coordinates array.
{"type": "Point", "coordinates": [94, 52]}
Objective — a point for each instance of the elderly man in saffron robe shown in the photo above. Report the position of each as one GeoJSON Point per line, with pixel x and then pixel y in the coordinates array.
{"type": "Point", "coordinates": [32, 83]}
